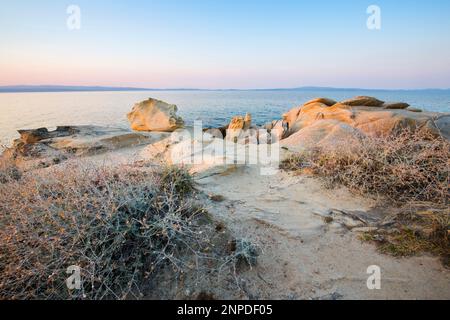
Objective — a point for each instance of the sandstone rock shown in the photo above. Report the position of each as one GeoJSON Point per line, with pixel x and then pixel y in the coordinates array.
{"type": "Point", "coordinates": [363, 101]}
{"type": "Point", "coordinates": [239, 128]}
{"type": "Point", "coordinates": [395, 105]}
{"type": "Point", "coordinates": [154, 115]}
{"type": "Point", "coordinates": [322, 133]}
{"type": "Point", "coordinates": [247, 121]}
{"type": "Point", "coordinates": [326, 101]}
{"type": "Point", "coordinates": [367, 120]}
{"type": "Point", "coordinates": [237, 123]}
{"type": "Point", "coordinates": [36, 135]}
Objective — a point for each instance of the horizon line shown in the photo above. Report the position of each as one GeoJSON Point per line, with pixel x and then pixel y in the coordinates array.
{"type": "Point", "coordinates": [76, 88]}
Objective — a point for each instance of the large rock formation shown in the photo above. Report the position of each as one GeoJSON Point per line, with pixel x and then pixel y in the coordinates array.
{"type": "Point", "coordinates": [316, 122]}
{"type": "Point", "coordinates": [154, 115]}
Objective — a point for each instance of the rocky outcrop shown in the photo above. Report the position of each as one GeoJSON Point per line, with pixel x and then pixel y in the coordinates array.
{"type": "Point", "coordinates": [35, 135]}
{"type": "Point", "coordinates": [238, 127]}
{"type": "Point", "coordinates": [316, 122]}
{"type": "Point", "coordinates": [363, 101]}
{"type": "Point", "coordinates": [42, 148]}
{"type": "Point", "coordinates": [395, 105]}
{"type": "Point", "coordinates": [154, 115]}
{"type": "Point", "coordinates": [326, 101]}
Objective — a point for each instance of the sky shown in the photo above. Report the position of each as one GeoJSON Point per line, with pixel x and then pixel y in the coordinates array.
{"type": "Point", "coordinates": [226, 44]}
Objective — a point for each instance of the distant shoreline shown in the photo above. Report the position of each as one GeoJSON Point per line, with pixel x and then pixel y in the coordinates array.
{"type": "Point", "coordinates": [51, 88]}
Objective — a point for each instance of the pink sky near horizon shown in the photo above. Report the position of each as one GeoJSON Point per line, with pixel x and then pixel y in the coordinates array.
{"type": "Point", "coordinates": [232, 44]}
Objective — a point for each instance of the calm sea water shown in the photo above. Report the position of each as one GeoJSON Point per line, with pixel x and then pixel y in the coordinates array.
{"type": "Point", "coordinates": [214, 108]}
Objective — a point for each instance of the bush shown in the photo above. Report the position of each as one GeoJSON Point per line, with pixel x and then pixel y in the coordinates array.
{"type": "Point", "coordinates": [411, 166]}
{"type": "Point", "coordinates": [120, 226]}
{"type": "Point", "coordinates": [411, 170]}
{"type": "Point", "coordinates": [8, 170]}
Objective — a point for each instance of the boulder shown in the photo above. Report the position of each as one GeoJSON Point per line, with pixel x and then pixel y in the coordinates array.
{"type": "Point", "coordinates": [247, 121]}
{"type": "Point", "coordinates": [154, 115]}
{"type": "Point", "coordinates": [368, 120]}
{"type": "Point", "coordinates": [239, 127]}
{"type": "Point", "coordinates": [363, 101]}
{"type": "Point", "coordinates": [395, 105]}
{"type": "Point", "coordinates": [322, 133]}
{"type": "Point", "coordinates": [30, 136]}
{"type": "Point", "coordinates": [235, 128]}
{"type": "Point", "coordinates": [326, 101]}
{"type": "Point", "coordinates": [414, 109]}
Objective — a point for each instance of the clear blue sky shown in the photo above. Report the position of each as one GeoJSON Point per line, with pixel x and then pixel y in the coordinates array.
{"type": "Point", "coordinates": [226, 43]}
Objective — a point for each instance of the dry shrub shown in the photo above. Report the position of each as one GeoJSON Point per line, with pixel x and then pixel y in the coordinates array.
{"type": "Point", "coordinates": [8, 170]}
{"type": "Point", "coordinates": [415, 231]}
{"type": "Point", "coordinates": [405, 167]}
{"type": "Point", "coordinates": [410, 169]}
{"type": "Point", "coordinates": [120, 226]}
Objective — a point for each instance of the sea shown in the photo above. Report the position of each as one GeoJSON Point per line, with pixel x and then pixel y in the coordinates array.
{"type": "Point", "coordinates": [213, 108]}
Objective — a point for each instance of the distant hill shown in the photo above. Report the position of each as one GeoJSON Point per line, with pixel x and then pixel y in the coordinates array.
{"type": "Point", "coordinates": [51, 88]}
{"type": "Point", "coordinates": [54, 88]}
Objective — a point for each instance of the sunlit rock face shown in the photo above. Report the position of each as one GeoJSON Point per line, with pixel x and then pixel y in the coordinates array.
{"type": "Point", "coordinates": [154, 115]}
{"type": "Point", "coordinates": [316, 122]}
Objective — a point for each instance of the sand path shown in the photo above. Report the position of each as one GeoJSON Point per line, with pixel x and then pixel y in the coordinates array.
{"type": "Point", "coordinates": [303, 257]}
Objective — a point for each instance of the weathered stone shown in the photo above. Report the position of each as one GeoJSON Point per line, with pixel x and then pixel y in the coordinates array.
{"type": "Point", "coordinates": [35, 135]}
{"type": "Point", "coordinates": [326, 101]}
{"type": "Point", "coordinates": [367, 120]}
{"type": "Point", "coordinates": [363, 101]}
{"type": "Point", "coordinates": [395, 105]}
{"type": "Point", "coordinates": [154, 115]}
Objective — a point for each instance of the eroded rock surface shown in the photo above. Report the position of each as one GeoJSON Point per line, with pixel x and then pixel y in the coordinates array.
{"type": "Point", "coordinates": [154, 115]}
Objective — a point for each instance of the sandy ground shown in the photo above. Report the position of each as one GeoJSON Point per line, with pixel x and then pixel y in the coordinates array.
{"type": "Point", "coordinates": [302, 256]}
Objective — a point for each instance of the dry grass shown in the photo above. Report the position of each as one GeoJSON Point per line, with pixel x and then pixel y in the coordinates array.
{"type": "Point", "coordinates": [409, 170]}
{"type": "Point", "coordinates": [8, 171]}
{"type": "Point", "coordinates": [411, 166]}
{"type": "Point", "coordinates": [120, 226]}
{"type": "Point", "coordinates": [415, 232]}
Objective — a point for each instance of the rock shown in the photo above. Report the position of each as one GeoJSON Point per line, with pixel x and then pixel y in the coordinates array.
{"type": "Point", "coordinates": [326, 101]}
{"type": "Point", "coordinates": [322, 133]}
{"type": "Point", "coordinates": [154, 115]}
{"type": "Point", "coordinates": [247, 121]}
{"type": "Point", "coordinates": [36, 135]}
{"type": "Point", "coordinates": [414, 109]}
{"type": "Point", "coordinates": [42, 147]}
{"type": "Point", "coordinates": [363, 101]}
{"type": "Point", "coordinates": [366, 120]}
{"type": "Point", "coordinates": [33, 136]}
{"type": "Point", "coordinates": [395, 105]}
{"type": "Point", "coordinates": [239, 128]}
{"type": "Point", "coordinates": [237, 123]}
{"type": "Point", "coordinates": [443, 124]}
